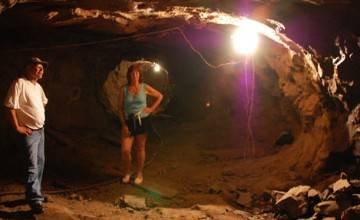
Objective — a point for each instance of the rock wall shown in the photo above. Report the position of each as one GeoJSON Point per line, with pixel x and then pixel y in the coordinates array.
{"type": "Point", "coordinates": [5, 4]}
{"type": "Point", "coordinates": [323, 127]}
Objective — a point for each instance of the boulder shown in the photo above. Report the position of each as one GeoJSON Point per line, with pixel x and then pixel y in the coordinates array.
{"type": "Point", "coordinates": [326, 194]}
{"type": "Point", "coordinates": [299, 191]}
{"type": "Point", "coordinates": [294, 203]}
{"type": "Point", "coordinates": [352, 213]}
{"type": "Point", "coordinates": [313, 193]}
{"type": "Point", "coordinates": [131, 201]}
{"type": "Point", "coordinates": [356, 199]}
{"type": "Point", "coordinates": [314, 197]}
{"type": "Point", "coordinates": [329, 218]}
{"type": "Point", "coordinates": [328, 209]}
{"type": "Point", "coordinates": [342, 185]}
{"type": "Point", "coordinates": [276, 195]}
{"type": "Point", "coordinates": [355, 183]}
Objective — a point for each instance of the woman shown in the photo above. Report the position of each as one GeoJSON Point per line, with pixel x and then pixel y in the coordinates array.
{"type": "Point", "coordinates": [134, 120]}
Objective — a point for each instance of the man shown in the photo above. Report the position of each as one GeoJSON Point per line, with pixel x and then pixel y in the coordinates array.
{"type": "Point", "coordinates": [26, 102]}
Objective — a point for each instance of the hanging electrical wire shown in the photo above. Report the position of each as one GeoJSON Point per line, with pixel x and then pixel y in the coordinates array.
{"type": "Point", "coordinates": [113, 40]}
{"type": "Point", "coordinates": [251, 106]}
{"type": "Point", "coordinates": [249, 81]}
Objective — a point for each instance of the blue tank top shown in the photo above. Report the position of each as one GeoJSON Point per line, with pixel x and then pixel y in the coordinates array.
{"type": "Point", "coordinates": [134, 104]}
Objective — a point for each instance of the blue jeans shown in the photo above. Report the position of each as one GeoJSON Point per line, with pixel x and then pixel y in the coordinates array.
{"type": "Point", "coordinates": [34, 145]}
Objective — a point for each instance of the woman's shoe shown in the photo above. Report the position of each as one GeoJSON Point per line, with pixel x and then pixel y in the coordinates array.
{"type": "Point", "coordinates": [138, 180]}
{"type": "Point", "coordinates": [126, 178]}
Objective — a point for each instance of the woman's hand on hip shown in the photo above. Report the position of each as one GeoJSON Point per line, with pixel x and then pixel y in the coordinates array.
{"type": "Point", "coordinates": [148, 110]}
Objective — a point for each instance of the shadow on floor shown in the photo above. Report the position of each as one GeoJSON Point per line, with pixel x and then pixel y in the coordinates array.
{"type": "Point", "coordinates": [13, 203]}
{"type": "Point", "coordinates": [23, 215]}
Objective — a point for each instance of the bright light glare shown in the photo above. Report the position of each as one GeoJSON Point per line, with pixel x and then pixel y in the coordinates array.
{"type": "Point", "coordinates": [245, 39]}
{"type": "Point", "coordinates": [157, 67]}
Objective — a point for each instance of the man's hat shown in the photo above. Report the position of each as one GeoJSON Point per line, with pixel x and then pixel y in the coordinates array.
{"type": "Point", "coordinates": [37, 60]}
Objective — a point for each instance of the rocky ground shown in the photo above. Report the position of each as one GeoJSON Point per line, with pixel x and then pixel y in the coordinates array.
{"type": "Point", "coordinates": [192, 173]}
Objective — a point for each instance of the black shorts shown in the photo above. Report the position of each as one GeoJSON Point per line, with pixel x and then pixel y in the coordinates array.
{"type": "Point", "coordinates": [137, 127]}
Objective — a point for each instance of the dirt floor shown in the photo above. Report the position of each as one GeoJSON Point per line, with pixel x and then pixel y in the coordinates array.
{"type": "Point", "coordinates": [193, 171]}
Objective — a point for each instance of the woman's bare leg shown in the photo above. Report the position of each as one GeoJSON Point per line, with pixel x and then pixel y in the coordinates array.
{"type": "Point", "coordinates": [126, 145]}
{"type": "Point", "coordinates": [140, 141]}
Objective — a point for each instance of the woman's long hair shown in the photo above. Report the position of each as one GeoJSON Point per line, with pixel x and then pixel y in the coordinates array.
{"type": "Point", "coordinates": [130, 70]}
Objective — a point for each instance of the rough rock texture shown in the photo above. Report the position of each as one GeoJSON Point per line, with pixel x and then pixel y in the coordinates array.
{"type": "Point", "coordinates": [351, 213]}
{"type": "Point", "coordinates": [299, 82]}
{"type": "Point", "coordinates": [294, 203]}
{"type": "Point", "coordinates": [9, 3]}
{"type": "Point", "coordinates": [5, 4]}
{"type": "Point", "coordinates": [340, 202]}
{"type": "Point", "coordinates": [328, 208]}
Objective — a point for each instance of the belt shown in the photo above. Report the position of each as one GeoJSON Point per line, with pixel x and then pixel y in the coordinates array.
{"type": "Point", "coordinates": [136, 117]}
{"type": "Point", "coordinates": [37, 129]}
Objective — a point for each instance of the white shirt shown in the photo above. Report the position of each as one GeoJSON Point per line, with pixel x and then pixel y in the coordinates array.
{"type": "Point", "coordinates": [29, 100]}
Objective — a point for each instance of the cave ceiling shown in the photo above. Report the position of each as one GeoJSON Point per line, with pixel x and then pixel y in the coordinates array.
{"type": "Point", "coordinates": [24, 23]}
